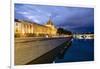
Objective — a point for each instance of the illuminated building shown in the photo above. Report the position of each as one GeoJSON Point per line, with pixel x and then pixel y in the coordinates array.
{"type": "Point", "coordinates": [25, 28]}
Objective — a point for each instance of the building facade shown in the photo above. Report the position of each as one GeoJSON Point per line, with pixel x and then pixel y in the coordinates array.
{"type": "Point", "coordinates": [25, 28]}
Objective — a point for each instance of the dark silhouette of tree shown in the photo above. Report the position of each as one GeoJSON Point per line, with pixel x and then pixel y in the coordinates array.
{"type": "Point", "coordinates": [63, 31]}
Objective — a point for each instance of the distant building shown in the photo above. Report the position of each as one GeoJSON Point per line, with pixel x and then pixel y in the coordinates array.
{"type": "Point", "coordinates": [24, 28]}
{"type": "Point", "coordinates": [84, 36]}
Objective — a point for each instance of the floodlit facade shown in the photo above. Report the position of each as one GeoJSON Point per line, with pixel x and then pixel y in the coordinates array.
{"type": "Point", "coordinates": [24, 28]}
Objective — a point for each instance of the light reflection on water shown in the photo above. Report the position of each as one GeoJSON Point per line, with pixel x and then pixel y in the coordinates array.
{"type": "Point", "coordinates": [79, 50]}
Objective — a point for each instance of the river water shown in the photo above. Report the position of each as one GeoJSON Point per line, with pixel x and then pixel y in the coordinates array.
{"type": "Point", "coordinates": [79, 50]}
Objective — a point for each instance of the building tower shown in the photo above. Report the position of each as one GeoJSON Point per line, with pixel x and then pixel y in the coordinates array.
{"type": "Point", "coordinates": [53, 28]}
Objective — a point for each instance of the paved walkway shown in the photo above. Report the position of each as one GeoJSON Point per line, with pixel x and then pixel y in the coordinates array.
{"type": "Point", "coordinates": [30, 50]}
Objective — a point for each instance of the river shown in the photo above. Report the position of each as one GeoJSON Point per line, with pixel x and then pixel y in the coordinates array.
{"type": "Point", "coordinates": [80, 50]}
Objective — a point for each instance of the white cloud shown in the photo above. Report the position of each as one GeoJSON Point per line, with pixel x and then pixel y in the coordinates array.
{"type": "Point", "coordinates": [30, 17]}
{"type": "Point", "coordinates": [24, 13]}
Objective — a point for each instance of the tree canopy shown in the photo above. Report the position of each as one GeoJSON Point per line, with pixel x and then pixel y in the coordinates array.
{"type": "Point", "coordinates": [63, 31]}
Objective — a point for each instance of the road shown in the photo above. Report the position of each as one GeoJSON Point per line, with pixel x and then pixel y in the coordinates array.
{"type": "Point", "coordinates": [28, 49]}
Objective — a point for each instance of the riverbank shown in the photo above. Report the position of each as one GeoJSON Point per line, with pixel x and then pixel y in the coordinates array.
{"type": "Point", "coordinates": [27, 51]}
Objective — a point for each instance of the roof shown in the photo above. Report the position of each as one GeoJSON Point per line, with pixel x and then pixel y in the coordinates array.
{"type": "Point", "coordinates": [29, 22]}
{"type": "Point", "coordinates": [49, 23]}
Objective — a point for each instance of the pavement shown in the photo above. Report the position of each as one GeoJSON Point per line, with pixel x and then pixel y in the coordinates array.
{"type": "Point", "coordinates": [28, 49]}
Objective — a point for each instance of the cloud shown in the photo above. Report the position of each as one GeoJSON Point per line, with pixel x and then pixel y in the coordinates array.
{"type": "Point", "coordinates": [71, 18]}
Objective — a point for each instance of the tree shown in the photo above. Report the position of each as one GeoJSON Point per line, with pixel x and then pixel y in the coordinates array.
{"type": "Point", "coordinates": [63, 31]}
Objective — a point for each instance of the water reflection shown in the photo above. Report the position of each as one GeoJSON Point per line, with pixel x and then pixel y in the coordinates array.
{"type": "Point", "coordinates": [79, 50]}
{"type": "Point", "coordinates": [63, 51]}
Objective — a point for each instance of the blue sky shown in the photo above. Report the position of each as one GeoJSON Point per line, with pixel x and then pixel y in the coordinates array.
{"type": "Point", "coordinates": [75, 19]}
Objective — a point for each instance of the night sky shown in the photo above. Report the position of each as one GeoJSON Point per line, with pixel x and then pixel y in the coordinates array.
{"type": "Point", "coordinates": [75, 19]}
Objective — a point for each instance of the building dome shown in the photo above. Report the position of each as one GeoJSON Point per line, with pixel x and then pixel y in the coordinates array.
{"type": "Point", "coordinates": [49, 23]}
